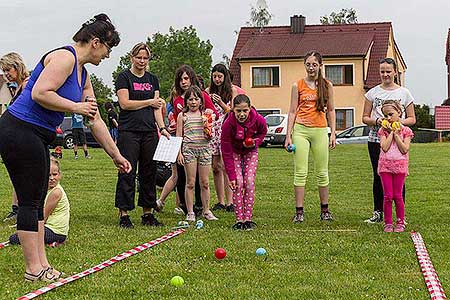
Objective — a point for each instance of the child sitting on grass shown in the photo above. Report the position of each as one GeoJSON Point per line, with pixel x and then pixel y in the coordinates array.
{"type": "Point", "coordinates": [56, 210]}
{"type": "Point", "coordinates": [242, 132]}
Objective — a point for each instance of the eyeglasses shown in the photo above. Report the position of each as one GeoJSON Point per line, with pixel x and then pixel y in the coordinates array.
{"type": "Point", "coordinates": [107, 47]}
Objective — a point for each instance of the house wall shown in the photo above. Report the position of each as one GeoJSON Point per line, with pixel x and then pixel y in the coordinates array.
{"type": "Point", "coordinates": [5, 97]}
{"type": "Point", "coordinates": [290, 72]}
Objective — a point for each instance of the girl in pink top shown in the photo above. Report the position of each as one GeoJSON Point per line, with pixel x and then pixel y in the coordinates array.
{"type": "Point", "coordinates": [395, 140]}
{"type": "Point", "coordinates": [242, 132]}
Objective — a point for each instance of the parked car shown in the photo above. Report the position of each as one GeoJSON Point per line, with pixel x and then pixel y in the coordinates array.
{"type": "Point", "coordinates": [276, 129]}
{"type": "Point", "coordinates": [353, 135]}
{"type": "Point", "coordinates": [64, 135]}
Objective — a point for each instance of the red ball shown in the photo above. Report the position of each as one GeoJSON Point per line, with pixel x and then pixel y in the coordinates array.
{"type": "Point", "coordinates": [220, 253]}
{"type": "Point", "coordinates": [248, 142]}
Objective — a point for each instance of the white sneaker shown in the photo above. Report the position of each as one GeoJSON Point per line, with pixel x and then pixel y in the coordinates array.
{"type": "Point", "coordinates": [178, 211]}
{"type": "Point", "coordinates": [208, 215]}
{"type": "Point", "coordinates": [377, 217]}
{"type": "Point", "coordinates": [190, 217]}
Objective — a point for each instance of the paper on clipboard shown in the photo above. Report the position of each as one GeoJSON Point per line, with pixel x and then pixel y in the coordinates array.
{"type": "Point", "coordinates": [167, 150]}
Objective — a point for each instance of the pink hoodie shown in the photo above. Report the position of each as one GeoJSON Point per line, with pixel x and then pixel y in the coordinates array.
{"type": "Point", "coordinates": [234, 134]}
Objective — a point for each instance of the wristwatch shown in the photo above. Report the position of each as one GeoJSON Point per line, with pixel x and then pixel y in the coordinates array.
{"type": "Point", "coordinates": [162, 128]}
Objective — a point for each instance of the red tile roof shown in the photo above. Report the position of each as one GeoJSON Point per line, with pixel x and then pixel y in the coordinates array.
{"type": "Point", "coordinates": [331, 40]}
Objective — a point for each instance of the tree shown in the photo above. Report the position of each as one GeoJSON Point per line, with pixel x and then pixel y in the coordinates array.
{"type": "Point", "coordinates": [169, 51]}
{"type": "Point", "coordinates": [423, 117]}
{"type": "Point", "coordinates": [103, 93]}
{"type": "Point", "coordinates": [345, 16]}
{"type": "Point", "coordinates": [260, 15]}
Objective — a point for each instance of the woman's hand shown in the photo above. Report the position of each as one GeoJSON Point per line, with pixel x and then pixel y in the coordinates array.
{"type": "Point", "coordinates": [180, 159]}
{"type": "Point", "coordinates": [123, 165]}
{"type": "Point", "coordinates": [156, 103]}
{"type": "Point", "coordinates": [287, 141]}
{"type": "Point", "coordinates": [165, 133]}
{"type": "Point", "coordinates": [86, 108]}
{"type": "Point", "coordinates": [216, 98]}
{"type": "Point", "coordinates": [332, 141]}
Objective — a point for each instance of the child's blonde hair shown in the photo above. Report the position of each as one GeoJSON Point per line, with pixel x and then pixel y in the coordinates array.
{"type": "Point", "coordinates": [55, 162]}
{"type": "Point", "coordinates": [393, 103]}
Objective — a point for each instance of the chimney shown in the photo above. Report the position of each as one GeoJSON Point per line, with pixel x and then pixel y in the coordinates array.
{"type": "Point", "coordinates": [298, 24]}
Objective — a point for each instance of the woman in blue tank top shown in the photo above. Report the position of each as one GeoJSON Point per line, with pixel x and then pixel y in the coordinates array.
{"type": "Point", "coordinates": [59, 84]}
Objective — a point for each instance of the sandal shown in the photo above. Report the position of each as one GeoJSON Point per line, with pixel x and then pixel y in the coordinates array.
{"type": "Point", "coordinates": [209, 216]}
{"type": "Point", "coordinates": [50, 276]}
{"type": "Point", "coordinates": [32, 278]}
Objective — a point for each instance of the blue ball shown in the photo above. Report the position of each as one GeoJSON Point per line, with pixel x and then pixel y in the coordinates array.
{"type": "Point", "coordinates": [291, 148]}
{"type": "Point", "coordinates": [260, 252]}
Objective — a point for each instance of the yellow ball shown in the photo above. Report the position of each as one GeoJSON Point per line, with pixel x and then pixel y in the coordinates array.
{"type": "Point", "coordinates": [177, 281]}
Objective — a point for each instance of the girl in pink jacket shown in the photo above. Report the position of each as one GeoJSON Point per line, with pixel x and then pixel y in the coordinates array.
{"type": "Point", "coordinates": [242, 132]}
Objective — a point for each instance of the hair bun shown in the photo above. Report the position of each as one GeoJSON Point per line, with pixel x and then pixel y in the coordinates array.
{"type": "Point", "coordinates": [102, 17]}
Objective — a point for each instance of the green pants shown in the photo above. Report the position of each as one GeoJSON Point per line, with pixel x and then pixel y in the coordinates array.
{"type": "Point", "coordinates": [316, 139]}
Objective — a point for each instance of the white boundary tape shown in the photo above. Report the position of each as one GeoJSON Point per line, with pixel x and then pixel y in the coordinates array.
{"type": "Point", "coordinates": [429, 274]}
{"type": "Point", "coordinates": [102, 265]}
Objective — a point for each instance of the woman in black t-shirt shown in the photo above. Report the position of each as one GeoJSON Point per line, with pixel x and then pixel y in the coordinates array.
{"type": "Point", "coordinates": [138, 93]}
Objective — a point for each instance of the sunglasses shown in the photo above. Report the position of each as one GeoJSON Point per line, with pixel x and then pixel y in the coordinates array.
{"type": "Point", "coordinates": [387, 60]}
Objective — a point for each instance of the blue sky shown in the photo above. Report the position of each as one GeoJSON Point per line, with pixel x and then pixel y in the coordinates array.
{"type": "Point", "coordinates": [420, 28]}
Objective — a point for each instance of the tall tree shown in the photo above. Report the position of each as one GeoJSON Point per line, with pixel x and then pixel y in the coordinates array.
{"type": "Point", "coordinates": [345, 16]}
{"type": "Point", "coordinates": [260, 15]}
{"type": "Point", "coordinates": [169, 51]}
{"type": "Point", "coordinates": [103, 93]}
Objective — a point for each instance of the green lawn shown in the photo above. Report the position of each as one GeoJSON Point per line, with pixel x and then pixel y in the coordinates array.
{"type": "Point", "coordinates": [302, 262]}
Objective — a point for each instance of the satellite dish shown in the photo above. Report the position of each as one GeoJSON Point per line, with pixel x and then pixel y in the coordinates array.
{"type": "Point", "coordinates": [261, 4]}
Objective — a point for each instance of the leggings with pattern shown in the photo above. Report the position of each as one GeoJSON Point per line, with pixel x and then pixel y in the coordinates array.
{"type": "Point", "coordinates": [316, 139]}
{"type": "Point", "coordinates": [244, 194]}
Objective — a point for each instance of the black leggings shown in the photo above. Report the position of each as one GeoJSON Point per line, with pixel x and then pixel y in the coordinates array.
{"type": "Point", "coordinates": [24, 150]}
{"type": "Point", "coordinates": [377, 187]}
{"type": "Point", "coordinates": [49, 237]}
{"type": "Point", "coordinates": [181, 187]}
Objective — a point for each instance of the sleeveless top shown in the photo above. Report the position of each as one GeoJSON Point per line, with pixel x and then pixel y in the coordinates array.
{"type": "Point", "coordinates": [193, 133]}
{"type": "Point", "coordinates": [307, 113]}
{"type": "Point", "coordinates": [58, 221]}
{"type": "Point", "coordinates": [28, 110]}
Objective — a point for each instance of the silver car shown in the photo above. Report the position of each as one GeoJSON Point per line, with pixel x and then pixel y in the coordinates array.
{"type": "Point", "coordinates": [353, 135]}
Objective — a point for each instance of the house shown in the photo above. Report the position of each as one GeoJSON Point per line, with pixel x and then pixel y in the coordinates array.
{"type": "Point", "coordinates": [5, 95]}
{"type": "Point", "coordinates": [266, 61]}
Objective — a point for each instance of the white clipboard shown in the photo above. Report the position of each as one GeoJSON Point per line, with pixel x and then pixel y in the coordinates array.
{"type": "Point", "coordinates": [167, 150]}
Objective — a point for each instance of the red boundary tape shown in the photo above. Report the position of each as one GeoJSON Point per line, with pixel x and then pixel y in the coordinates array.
{"type": "Point", "coordinates": [102, 265]}
{"type": "Point", "coordinates": [429, 274]}
{"type": "Point", "coordinates": [4, 244]}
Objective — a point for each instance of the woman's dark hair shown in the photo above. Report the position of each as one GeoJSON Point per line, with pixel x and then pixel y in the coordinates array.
{"type": "Point", "coordinates": [201, 82]}
{"type": "Point", "coordinates": [321, 83]}
{"type": "Point", "coordinates": [225, 91]}
{"type": "Point", "coordinates": [241, 99]}
{"type": "Point", "coordinates": [193, 89]}
{"type": "Point", "coordinates": [100, 27]}
{"type": "Point", "coordinates": [190, 72]}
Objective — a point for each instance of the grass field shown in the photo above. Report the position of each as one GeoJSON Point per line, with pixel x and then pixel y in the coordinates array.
{"type": "Point", "coordinates": [302, 262]}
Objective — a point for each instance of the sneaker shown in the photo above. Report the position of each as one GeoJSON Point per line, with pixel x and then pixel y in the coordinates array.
{"type": "Point", "coordinates": [388, 228]}
{"type": "Point", "coordinates": [11, 217]}
{"type": "Point", "coordinates": [159, 205]}
{"type": "Point", "coordinates": [178, 211]}
{"type": "Point", "coordinates": [377, 217]}
{"type": "Point", "coordinates": [88, 156]}
{"type": "Point", "coordinates": [149, 219]}
{"type": "Point", "coordinates": [249, 225]}
{"type": "Point", "coordinates": [76, 156]}
{"type": "Point", "coordinates": [298, 218]}
{"type": "Point", "coordinates": [209, 216]}
{"type": "Point", "coordinates": [238, 226]}
{"type": "Point", "coordinates": [125, 222]}
{"type": "Point", "coordinates": [326, 216]}
{"type": "Point", "coordinates": [190, 217]}
{"type": "Point", "coordinates": [219, 206]}
{"type": "Point", "coordinates": [230, 208]}
{"type": "Point", "coordinates": [400, 227]}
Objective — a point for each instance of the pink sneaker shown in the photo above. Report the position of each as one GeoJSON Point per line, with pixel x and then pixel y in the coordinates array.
{"type": "Point", "coordinates": [208, 215]}
{"type": "Point", "coordinates": [388, 228]}
{"type": "Point", "coordinates": [400, 227]}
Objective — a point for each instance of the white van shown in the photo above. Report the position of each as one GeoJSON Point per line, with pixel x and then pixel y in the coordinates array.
{"type": "Point", "coordinates": [276, 129]}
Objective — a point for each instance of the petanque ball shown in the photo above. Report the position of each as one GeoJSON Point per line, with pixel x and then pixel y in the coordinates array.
{"type": "Point", "coordinates": [177, 281]}
{"type": "Point", "coordinates": [220, 253]}
{"type": "Point", "coordinates": [261, 251]}
{"type": "Point", "coordinates": [291, 148]}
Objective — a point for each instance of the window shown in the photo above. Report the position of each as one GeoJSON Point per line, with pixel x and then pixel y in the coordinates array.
{"type": "Point", "coordinates": [265, 112]}
{"type": "Point", "coordinates": [265, 76]}
{"type": "Point", "coordinates": [344, 118]}
{"type": "Point", "coordinates": [339, 74]}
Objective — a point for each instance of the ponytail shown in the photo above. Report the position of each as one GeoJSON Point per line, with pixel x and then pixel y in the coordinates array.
{"type": "Point", "coordinates": [321, 83]}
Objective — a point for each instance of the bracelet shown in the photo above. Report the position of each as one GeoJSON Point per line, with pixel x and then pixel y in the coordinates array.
{"type": "Point", "coordinates": [162, 128]}
{"type": "Point", "coordinates": [376, 121]}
